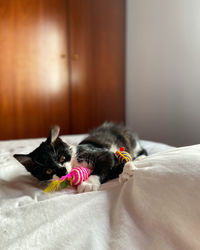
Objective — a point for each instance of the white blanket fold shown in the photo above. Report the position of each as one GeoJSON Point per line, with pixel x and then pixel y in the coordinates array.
{"type": "Point", "coordinates": [161, 204]}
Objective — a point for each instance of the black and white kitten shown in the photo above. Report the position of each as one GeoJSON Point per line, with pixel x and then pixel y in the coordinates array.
{"type": "Point", "coordinates": [96, 151]}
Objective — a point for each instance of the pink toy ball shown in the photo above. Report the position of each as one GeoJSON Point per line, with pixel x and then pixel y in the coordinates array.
{"type": "Point", "coordinates": [75, 177]}
{"type": "Point", "coordinates": [78, 175]}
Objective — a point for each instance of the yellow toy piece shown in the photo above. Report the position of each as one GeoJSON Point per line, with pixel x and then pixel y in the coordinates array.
{"type": "Point", "coordinates": [123, 156]}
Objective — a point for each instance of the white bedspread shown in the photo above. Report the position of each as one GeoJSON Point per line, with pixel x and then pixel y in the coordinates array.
{"type": "Point", "coordinates": [157, 209]}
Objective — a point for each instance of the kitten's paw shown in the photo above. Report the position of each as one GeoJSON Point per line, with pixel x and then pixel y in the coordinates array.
{"type": "Point", "coordinates": [128, 172]}
{"type": "Point", "coordinates": [91, 184]}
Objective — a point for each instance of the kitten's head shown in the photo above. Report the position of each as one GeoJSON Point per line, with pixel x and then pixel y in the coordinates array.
{"type": "Point", "coordinates": [48, 158]}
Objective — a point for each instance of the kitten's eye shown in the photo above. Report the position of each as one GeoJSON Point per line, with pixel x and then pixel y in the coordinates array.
{"type": "Point", "coordinates": [62, 159]}
{"type": "Point", "coordinates": [49, 171]}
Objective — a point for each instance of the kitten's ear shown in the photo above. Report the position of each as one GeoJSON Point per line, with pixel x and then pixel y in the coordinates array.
{"type": "Point", "coordinates": [54, 133]}
{"type": "Point", "coordinates": [25, 160]}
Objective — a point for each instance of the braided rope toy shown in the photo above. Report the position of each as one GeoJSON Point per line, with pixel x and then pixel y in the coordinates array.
{"type": "Point", "coordinates": [123, 156]}
{"type": "Point", "coordinates": [75, 177]}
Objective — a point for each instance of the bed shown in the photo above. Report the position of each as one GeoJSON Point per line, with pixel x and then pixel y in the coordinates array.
{"type": "Point", "coordinates": [156, 209]}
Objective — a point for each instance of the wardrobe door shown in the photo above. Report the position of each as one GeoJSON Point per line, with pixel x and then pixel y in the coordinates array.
{"type": "Point", "coordinates": [34, 86]}
{"type": "Point", "coordinates": [96, 42]}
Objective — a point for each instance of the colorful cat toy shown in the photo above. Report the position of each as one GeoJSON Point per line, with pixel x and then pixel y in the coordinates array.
{"type": "Point", "coordinates": [123, 156]}
{"type": "Point", "coordinates": [75, 177]}
{"type": "Point", "coordinates": [79, 174]}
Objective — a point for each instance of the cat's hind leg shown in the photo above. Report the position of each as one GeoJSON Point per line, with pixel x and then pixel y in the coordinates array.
{"type": "Point", "coordinates": [128, 172]}
{"type": "Point", "coordinates": [129, 168]}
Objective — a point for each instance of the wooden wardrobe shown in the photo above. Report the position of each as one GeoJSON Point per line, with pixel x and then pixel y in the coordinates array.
{"type": "Point", "coordinates": [61, 62]}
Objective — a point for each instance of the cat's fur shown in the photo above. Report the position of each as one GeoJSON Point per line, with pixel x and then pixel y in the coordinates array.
{"type": "Point", "coordinates": [96, 151]}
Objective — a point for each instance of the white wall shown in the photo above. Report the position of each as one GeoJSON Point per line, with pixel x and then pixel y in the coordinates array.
{"type": "Point", "coordinates": [163, 70]}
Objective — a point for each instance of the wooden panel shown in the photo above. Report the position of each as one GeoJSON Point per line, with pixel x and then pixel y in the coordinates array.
{"type": "Point", "coordinates": [97, 37]}
{"type": "Point", "coordinates": [33, 67]}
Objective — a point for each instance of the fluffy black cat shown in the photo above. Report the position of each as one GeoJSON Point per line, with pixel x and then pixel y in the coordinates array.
{"type": "Point", "coordinates": [96, 151]}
